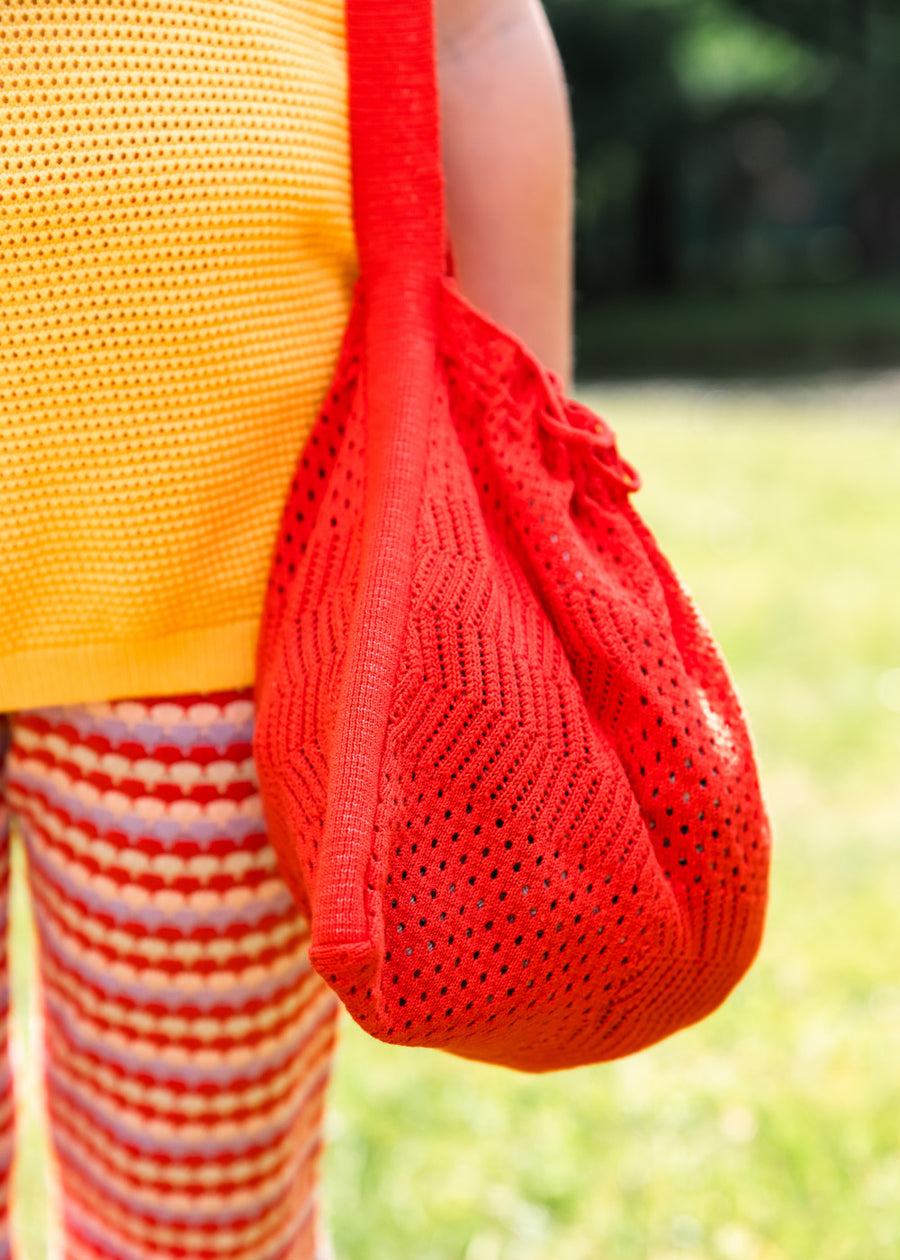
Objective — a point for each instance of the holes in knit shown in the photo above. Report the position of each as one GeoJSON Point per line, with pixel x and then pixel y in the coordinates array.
{"type": "Point", "coordinates": [569, 844]}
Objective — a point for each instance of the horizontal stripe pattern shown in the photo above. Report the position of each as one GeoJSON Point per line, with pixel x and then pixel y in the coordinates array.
{"type": "Point", "coordinates": [188, 1039]}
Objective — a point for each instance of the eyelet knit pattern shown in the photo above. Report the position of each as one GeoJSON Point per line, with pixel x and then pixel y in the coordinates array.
{"type": "Point", "coordinates": [561, 852]}
{"type": "Point", "coordinates": [176, 259]}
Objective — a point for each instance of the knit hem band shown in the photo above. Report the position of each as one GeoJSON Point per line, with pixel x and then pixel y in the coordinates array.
{"type": "Point", "coordinates": [209, 659]}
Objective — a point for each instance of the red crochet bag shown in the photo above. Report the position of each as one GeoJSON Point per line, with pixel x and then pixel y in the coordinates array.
{"type": "Point", "coordinates": [502, 762]}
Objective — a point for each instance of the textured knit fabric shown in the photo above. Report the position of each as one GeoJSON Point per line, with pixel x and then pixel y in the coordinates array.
{"type": "Point", "coordinates": [188, 1041]}
{"type": "Point", "coordinates": [502, 758]}
{"type": "Point", "coordinates": [525, 812]}
{"type": "Point", "coordinates": [177, 253]}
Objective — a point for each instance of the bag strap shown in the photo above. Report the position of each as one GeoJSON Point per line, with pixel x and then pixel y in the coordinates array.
{"type": "Point", "coordinates": [398, 196]}
{"type": "Point", "coordinates": [399, 217]}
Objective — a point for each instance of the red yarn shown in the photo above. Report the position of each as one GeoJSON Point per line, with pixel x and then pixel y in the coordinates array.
{"type": "Point", "coordinates": [503, 763]}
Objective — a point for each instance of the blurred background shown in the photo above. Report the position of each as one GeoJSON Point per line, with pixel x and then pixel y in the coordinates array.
{"type": "Point", "coordinates": [738, 183]}
{"type": "Point", "coordinates": [739, 325]}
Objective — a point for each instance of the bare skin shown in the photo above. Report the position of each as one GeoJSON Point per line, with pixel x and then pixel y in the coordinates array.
{"type": "Point", "coordinates": [507, 143]}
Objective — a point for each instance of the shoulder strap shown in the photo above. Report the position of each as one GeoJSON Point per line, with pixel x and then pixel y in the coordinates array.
{"type": "Point", "coordinates": [399, 215]}
{"type": "Point", "coordinates": [395, 138]}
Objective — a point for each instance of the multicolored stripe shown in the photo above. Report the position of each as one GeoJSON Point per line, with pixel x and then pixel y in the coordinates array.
{"type": "Point", "coordinates": [188, 1040]}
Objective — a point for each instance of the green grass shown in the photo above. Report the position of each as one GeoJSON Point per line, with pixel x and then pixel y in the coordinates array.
{"type": "Point", "coordinates": [769, 1132]}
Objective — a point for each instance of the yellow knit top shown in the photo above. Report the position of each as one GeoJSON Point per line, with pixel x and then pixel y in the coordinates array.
{"type": "Point", "coordinates": [176, 259]}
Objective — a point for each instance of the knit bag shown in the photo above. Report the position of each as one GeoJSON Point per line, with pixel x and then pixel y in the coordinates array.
{"type": "Point", "coordinates": [503, 765]}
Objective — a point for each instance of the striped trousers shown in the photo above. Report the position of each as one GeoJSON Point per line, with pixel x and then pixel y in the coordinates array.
{"type": "Point", "coordinates": [187, 1041]}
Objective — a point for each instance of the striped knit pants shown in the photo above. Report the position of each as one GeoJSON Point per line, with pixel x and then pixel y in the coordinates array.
{"type": "Point", "coordinates": [187, 1040]}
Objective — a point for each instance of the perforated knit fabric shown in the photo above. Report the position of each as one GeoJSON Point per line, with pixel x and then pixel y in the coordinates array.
{"type": "Point", "coordinates": [567, 852]}
{"type": "Point", "coordinates": [175, 265]}
{"type": "Point", "coordinates": [501, 758]}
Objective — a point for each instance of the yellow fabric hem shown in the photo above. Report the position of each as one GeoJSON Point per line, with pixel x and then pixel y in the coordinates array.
{"type": "Point", "coordinates": [212, 659]}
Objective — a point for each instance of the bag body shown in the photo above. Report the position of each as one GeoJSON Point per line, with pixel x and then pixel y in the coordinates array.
{"type": "Point", "coordinates": [503, 765]}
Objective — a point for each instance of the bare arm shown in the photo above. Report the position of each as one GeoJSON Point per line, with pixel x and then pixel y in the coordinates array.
{"type": "Point", "coordinates": [508, 160]}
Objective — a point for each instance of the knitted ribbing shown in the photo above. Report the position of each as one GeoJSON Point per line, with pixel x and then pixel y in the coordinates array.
{"type": "Point", "coordinates": [177, 252]}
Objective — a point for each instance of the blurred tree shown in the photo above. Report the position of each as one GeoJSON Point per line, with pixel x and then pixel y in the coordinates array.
{"type": "Point", "coordinates": [630, 116]}
{"type": "Point", "coordinates": [732, 141]}
{"type": "Point", "coordinates": [836, 25]}
{"type": "Point", "coordinates": [865, 36]}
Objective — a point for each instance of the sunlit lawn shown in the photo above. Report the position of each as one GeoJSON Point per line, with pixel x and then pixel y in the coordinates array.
{"type": "Point", "coordinates": [772, 1131]}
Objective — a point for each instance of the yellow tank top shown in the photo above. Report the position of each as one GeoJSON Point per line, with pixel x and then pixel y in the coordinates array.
{"type": "Point", "coordinates": [176, 259]}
